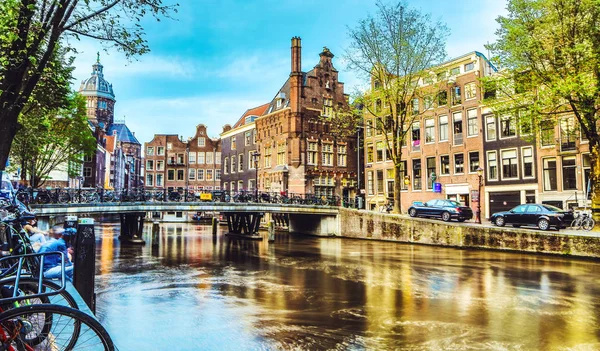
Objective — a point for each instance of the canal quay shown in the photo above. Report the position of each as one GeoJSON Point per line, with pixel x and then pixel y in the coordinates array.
{"type": "Point", "coordinates": [190, 290]}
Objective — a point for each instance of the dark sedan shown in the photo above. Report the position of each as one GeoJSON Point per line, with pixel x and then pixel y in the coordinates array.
{"type": "Point", "coordinates": [444, 209]}
{"type": "Point", "coordinates": [542, 216]}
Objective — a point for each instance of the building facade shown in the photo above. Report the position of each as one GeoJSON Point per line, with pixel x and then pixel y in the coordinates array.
{"type": "Point", "coordinates": [299, 154]}
{"type": "Point", "coordinates": [176, 165]}
{"type": "Point", "coordinates": [444, 144]}
{"type": "Point", "coordinates": [240, 152]}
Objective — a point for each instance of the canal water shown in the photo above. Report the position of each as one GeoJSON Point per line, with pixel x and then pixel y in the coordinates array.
{"type": "Point", "coordinates": [188, 291]}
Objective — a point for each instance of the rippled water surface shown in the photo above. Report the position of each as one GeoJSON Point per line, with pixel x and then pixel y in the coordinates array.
{"type": "Point", "coordinates": [188, 291]}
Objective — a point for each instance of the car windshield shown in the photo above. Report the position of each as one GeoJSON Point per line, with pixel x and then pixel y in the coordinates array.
{"type": "Point", "coordinates": [552, 208]}
{"type": "Point", "coordinates": [452, 203]}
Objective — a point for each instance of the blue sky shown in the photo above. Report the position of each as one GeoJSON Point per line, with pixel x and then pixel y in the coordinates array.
{"type": "Point", "coordinates": [221, 57]}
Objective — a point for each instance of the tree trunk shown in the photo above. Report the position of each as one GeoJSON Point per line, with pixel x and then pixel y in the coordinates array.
{"type": "Point", "coordinates": [398, 181]}
{"type": "Point", "coordinates": [594, 177]}
{"type": "Point", "coordinates": [8, 129]}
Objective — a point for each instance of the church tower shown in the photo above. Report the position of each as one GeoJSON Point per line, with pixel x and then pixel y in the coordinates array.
{"type": "Point", "coordinates": [100, 97]}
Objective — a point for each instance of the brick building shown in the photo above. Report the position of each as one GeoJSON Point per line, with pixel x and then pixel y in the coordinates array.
{"type": "Point", "coordinates": [444, 144]}
{"type": "Point", "coordinates": [299, 154]}
{"type": "Point", "coordinates": [174, 164]}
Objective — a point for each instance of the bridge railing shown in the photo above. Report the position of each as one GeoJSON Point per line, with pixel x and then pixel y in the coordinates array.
{"type": "Point", "coordinates": [100, 195]}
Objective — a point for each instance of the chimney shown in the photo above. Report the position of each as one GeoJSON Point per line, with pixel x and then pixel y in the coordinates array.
{"type": "Point", "coordinates": [296, 75]}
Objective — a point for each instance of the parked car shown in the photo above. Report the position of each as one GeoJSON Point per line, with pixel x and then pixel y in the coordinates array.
{"type": "Point", "coordinates": [444, 209]}
{"type": "Point", "coordinates": [542, 216]}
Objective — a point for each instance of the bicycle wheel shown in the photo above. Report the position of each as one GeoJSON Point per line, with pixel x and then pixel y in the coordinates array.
{"type": "Point", "coordinates": [588, 224]}
{"type": "Point", "coordinates": [576, 224]}
{"type": "Point", "coordinates": [61, 322]}
{"type": "Point", "coordinates": [63, 197]}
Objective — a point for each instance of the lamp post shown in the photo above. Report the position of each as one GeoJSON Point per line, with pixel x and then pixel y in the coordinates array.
{"type": "Point", "coordinates": [214, 167]}
{"type": "Point", "coordinates": [256, 157]}
{"type": "Point", "coordinates": [479, 184]}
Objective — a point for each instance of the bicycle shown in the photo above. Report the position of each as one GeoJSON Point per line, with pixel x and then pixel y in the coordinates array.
{"type": "Point", "coordinates": [583, 220]}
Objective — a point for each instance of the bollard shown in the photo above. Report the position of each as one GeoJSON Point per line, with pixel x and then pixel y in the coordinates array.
{"type": "Point", "coordinates": [155, 233]}
{"type": "Point", "coordinates": [271, 231]}
{"type": "Point", "coordinates": [215, 223]}
{"type": "Point", "coordinates": [84, 272]}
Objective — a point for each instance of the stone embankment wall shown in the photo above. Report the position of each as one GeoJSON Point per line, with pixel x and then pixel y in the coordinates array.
{"type": "Point", "coordinates": [378, 226]}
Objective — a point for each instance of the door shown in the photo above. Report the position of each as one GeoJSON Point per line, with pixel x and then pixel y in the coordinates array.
{"type": "Point", "coordinates": [516, 215]}
{"type": "Point", "coordinates": [531, 215]}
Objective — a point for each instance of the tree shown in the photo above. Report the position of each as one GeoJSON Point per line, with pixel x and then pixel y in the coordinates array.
{"type": "Point", "coordinates": [396, 51]}
{"type": "Point", "coordinates": [50, 139]}
{"type": "Point", "coordinates": [31, 31]}
{"type": "Point", "coordinates": [549, 51]}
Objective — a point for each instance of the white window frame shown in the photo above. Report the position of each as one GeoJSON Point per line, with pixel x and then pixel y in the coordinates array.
{"type": "Point", "coordinates": [487, 164]}
{"type": "Point", "coordinates": [516, 150]}
{"type": "Point", "coordinates": [487, 134]}
{"type": "Point", "coordinates": [476, 123]}
{"type": "Point", "coordinates": [532, 162]}
{"type": "Point", "coordinates": [447, 129]}
{"type": "Point", "coordinates": [514, 119]}
{"type": "Point", "coordinates": [201, 141]}
{"type": "Point", "coordinates": [454, 163]}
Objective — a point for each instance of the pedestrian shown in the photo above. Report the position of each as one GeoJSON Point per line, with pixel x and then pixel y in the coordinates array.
{"type": "Point", "coordinates": [52, 263]}
{"type": "Point", "coordinates": [37, 237]}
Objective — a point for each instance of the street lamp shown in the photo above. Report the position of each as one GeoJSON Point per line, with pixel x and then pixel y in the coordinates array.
{"type": "Point", "coordinates": [479, 184]}
{"type": "Point", "coordinates": [256, 158]}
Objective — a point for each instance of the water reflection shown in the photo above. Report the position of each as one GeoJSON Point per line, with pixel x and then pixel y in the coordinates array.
{"type": "Point", "coordinates": [188, 290]}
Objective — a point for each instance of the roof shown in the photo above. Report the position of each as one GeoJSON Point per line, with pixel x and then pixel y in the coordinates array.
{"type": "Point", "coordinates": [256, 111]}
{"type": "Point", "coordinates": [124, 135]}
{"type": "Point", "coordinates": [96, 84]}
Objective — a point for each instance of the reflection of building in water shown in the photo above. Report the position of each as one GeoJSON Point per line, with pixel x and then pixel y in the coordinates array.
{"type": "Point", "coordinates": [107, 249]}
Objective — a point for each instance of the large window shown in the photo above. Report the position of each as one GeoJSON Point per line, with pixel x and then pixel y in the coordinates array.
{"type": "Point", "coordinates": [428, 102]}
{"type": "Point", "coordinates": [149, 180]}
{"type": "Point", "coordinates": [327, 152]}
{"type": "Point", "coordinates": [457, 128]}
{"type": "Point", "coordinates": [380, 182]}
{"type": "Point", "coordinates": [416, 136]}
{"type": "Point", "coordinates": [226, 165]}
{"type": "Point", "coordinates": [201, 141]}
{"type": "Point", "coordinates": [442, 98]}
{"type": "Point", "coordinates": [312, 153]}
{"type": "Point", "coordinates": [200, 174]}
{"type": "Point", "coordinates": [569, 173]}
{"type": "Point", "coordinates": [472, 126]}
{"type": "Point", "coordinates": [443, 128]}
{"type": "Point", "coordinates": [209, 174]}
{"type": "Point", "coordinates": [390, 182]}
{"type": "Point", "coordinates": [191, 158]}
{"type": "Point", "coordinates": [281, 154]}
{"type": "Point", "coordinates": [240, 162]}
{"type": "Point", "coordinates": [508, 127]}
{"type": "Point", "coordinates": [159, 180]}
{"type": "Point", "coordinates": [459, 163]}
{"type": "Point", "coordinates": [233, 142]}
{"type": "Point", "coordinates": [370, 187]}
{"type": "Point", "coordinates": [370, 153]}
{"type": "Point", "coordinates": [209, 158]}
{"type": "Point", "coordinates": [417, 176]}
{"type": "Point", "coordinates": [160, 165]}
{"type": "Point", "coordinates": [550, 180]}
{"type": "Point", "coordinates": [429, 131]}
{"type": "Point", "coordinates": [149, 165]}
{"type": "Point", "coordinates": [267, 158]}
{"type": "Point", "coordinates": [380, 151]}
{"type": "Point", "coordinates": [170, 174]}
{"type": "Point", "coordinates": [160, 150]}
{"type": "Point", "coordinates": [568, 134]}
{"type": "Point", "coordinates": [527, 154]}
{"type": "Point", "coordinates": [180, 174]}
{"type": "Point", "coordinates": [509, 164]}
{"type": "Point", "coordinates": [473, 161]}
{"type": "Point", "coordinates": [342, 155]}
{"type": "Point", "coordinates": [547, 133]}
{"type": "Point", "coordinates": [233, 163]}
{"type": "Point", "coordinates": [248, 138]}
{"type": "Point", "coordinates": [403, 174]}
{"type": "Point", "coordinates": [490, 128]}
{"type": "Point", "coordinates": [456, 97]}
{"type": "Point", "coordinates": [201, 158]}
{"type": "Point", "coordinates": [470, 91]}
{"type": "Point", "coordinates": [492, 165]}
{"type": "Point", "coordinates": [445, 164]}
{"type": "Point", "coordinates": [369, 128]}
{"type": "Point", "coordinates": [430, 171]}
{"type": "Point", "coordinates": [150, 151]}
{"type": "Point", "coordinates": [415, 106]}
{"type": "Point", "coordinates": [192, 174]}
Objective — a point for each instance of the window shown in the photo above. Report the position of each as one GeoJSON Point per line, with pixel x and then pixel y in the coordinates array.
{"type": "Point", "coordinates": [550, 181]}
{"type": "Point", "coordinates": [160, 150]}
{"type": "Point", "coordinates": [87, 172]}
{"type": "Point", "coordinates": [327, 107]}
{"type": "Point", "coordinates": [569, 173]}
{"type": "Point", "coordinates": [380, 151]}
{"type": "Point", "coordinates": [370, 187]}
{"type": "Point", "coordinates": [218, 157]}
{"type": "Point", "coordinates": [429, 131]}
{"type": "Point", "coordinates": [525, 123]}
{"type": "Point", "coordinates": [169, 146]}
{"type": "Point", "coordinates": [217, 174]}
{"type": "Point", "coordinates": [201, 141]}
{"type": "Point", "coordinates": [403, 174]}
{"type": "Point", "coordinates": [233, 163]}
{"type": "Point", "coordinates": [253, 160]}
{"type": "Point", "coordinates": [267, 158]}
{"type": "Point", "coordinates": [180, 174]}
{"type": "Point", "coordinates": [160, 165]}
{"type": "Point", "coordinates": [233, 139]}
{"type": "Point", "coordinates": [370, 153]}
{"type": "Point", "coordinates": [149, 180]}
{"type": "Point", "coordinates": [240, 163]}
{"type": "Point", "coordinates": [380, 181]}
{"type": "Point", "coordinates": [390, 182]}
{"type": "Point", "coordinates": [509, 164]}
{"type": "Point", "coordinates": [180, 159]}
{"type": "Point", "coordinates": [469, 66]}
{"type": "Point", "coordinates": [327, 153]}
{"type": "Point", "coordinates": [568, 134]}
{"type": "Point", "coordinates": [417, 185]}
{"type": "Point", "coordinates": [547, 133]}
{"type": "Point", "coordinates": [430, 170]}
{"type": "Point", "coordinates": [459, 163]}
{"type": "Point", "coordinates": [159, 180]}
{"type": "Point", "coordinates": [369, 128]}
{"type": "Point", "coordinates": [445, 164]}
{"type": "Point", "coordinates": [342, 155]}
{"type": "Point", "coordinates": [472, 127]}
{"type": "Point", "coordinates": [455, 71]}
{"type": "Point", "coordinates": [508, 127]}
{"type": "Point", "coordinates": [209, 158]}
{"type": "Point", "coordinates": [209, 174]}
{"type": "Point", "coordinates": [492, 163]}
{"type": "Point", "coordinates": [149, 165]}
{"type": "Point", "coordinates": [457, 128]}
{"type": "Point", "coordinates": [456, 97]}
{"type": "Point", "coordinates": [200, 174]}
{"type": "Point", "coordinates": [192, 158]}
{"type": "Point", "coordinates": [170, 174]}
{"type": "Point", "coordinates": [416, 136]}
{"type": "Point", "coordinates": [248, 138]}
{"type": "Point", "coordinates": [442, 98]}
{"type": "Point", "coordinates": [428, 102]}
{"type": "Point", "coordinates": [226, 165]}
{"type": "Point", "coordinates": [473, 161]}
{"type": "Point", "coordinates": [201, 158]}
{"type": "Point", "coordinates": [586, 163]}
{"type": "Point", "coordinates": [470, 91]}
{"type": "Point", "coordinates": [490, 128]}
{"type": "Point", "coordinates": [150, 151]}
{"type": "Point", "coordinates": [527, 154]}
{"type": "Point", "coordinates": [281, 154]}
{"type": "Point", "coordinates": [192, 174]}
{"type": "Point", "coordinates": [415, 106]}
{"type": "Point", "coordinates": [312, 153]}
{"type": "Point", "coordinates": [443, 128]}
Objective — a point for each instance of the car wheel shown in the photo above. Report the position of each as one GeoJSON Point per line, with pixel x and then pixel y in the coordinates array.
{"type": "Point", "coordinates": [499, 221]}
{"type": "Point", "coordinates": [543, 224]}
{"type": "Point", "coordinates": [412, 212]}
{"type": "Point", "coordinates": [445, 216]}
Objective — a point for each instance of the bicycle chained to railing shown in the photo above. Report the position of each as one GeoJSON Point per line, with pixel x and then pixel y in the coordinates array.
{"type": "Point", "coordinates": [583, 220]}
